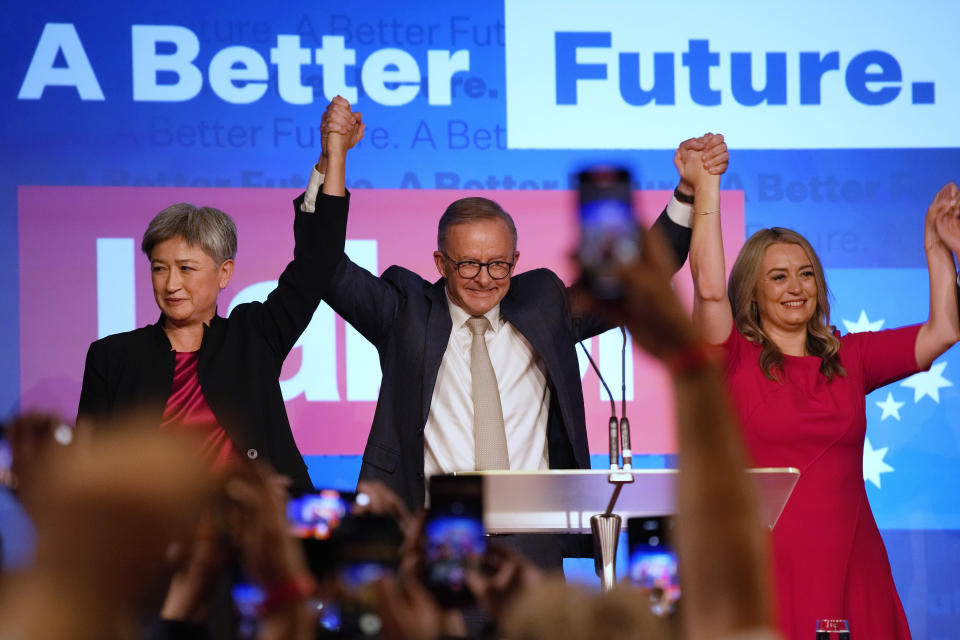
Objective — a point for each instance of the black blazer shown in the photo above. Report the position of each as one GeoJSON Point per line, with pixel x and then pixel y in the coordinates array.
{"type": "Point", "coordinates": [239, 362]}
{"type": "Point", "coordinates": [407, 320]}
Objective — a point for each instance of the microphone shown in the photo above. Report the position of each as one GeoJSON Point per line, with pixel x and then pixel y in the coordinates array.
{"type": "Point", "coordinates": [613, 425]}
{"type": "Point", "coordinates": [624, 423]}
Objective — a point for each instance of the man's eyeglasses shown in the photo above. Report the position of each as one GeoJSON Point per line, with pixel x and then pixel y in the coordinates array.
{"type": "Point", "coordinates": [469, 269]}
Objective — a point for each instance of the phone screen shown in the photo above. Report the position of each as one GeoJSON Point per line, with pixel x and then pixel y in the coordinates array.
{"type": "Point", "coordinates": [609, 233]}
{"type": "Point", "coordinates": [367, 548]}
{"type": "Point", "coordinates": [455, 537]}
{"type": "Point", "coordinates": [316, 515]}
{"type": "Point", "coordinates": [247, 599]}
{"type": "Point", "coordinates": [653, 562]}
{"type": "Point", "coordinates": [358, 551]}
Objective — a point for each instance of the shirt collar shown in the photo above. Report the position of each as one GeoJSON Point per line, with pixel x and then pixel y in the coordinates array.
{"type": "Point", "coordinates": [459, 316]}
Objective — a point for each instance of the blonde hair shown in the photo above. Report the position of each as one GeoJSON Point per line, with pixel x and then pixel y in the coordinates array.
{"type": "Point", "coordinates": [742, 289]}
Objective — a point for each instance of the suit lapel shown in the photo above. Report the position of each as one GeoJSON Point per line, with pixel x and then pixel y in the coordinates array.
{"type": "Point", "coordinates": [528, 319]}
{"type": "Point", "coordinates": [439, 326]}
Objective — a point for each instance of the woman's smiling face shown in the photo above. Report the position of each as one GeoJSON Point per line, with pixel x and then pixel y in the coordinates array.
{"type": "Point", "coordinates": [786, 292]}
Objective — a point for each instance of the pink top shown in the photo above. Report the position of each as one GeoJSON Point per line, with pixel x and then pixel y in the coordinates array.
{"type": "Point", "coordinates": [187, 409]}
{"type": "Point", "coordinates": [829, 559]}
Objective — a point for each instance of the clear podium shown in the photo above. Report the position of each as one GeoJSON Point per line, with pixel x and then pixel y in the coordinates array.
{"type": "Point", "coordinates": [565, 501]}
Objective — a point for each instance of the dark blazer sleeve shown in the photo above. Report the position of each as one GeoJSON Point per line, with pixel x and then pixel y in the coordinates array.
{"type": "Point", "coordinates": [370, 304]}
{"type": "Point", "coordinates": [582, 325]}
{"type": "Point", "coordinates": [318, 238]}
{"type": "Point", "coordinates": [677, 237]}
{"type": "Point", "coordinates": [94, 393]}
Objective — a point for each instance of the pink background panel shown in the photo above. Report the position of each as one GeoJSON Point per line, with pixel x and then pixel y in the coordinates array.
{"type": "Point", "coordinates": [59, 227]}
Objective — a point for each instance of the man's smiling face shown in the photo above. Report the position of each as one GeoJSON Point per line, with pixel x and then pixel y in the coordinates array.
{"type": "Point", "coordinates": [482, 241]}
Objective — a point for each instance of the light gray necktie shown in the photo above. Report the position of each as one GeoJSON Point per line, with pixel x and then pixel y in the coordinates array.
{"type": "Point", "coordinates": [490, 438]}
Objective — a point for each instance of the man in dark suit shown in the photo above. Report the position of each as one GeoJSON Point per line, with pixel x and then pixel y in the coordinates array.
{"type": "Point", "coordinates": [428, 418]}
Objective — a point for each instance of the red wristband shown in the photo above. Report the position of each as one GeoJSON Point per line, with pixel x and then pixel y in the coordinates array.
{"type": "Point", "coordinates": [282, 593]}
{"type": "Point", "coordinates": [690, 359]}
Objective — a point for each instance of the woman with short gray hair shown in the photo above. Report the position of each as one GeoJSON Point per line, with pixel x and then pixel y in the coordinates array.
{"type": "Point", "coordinates": [195, 371]}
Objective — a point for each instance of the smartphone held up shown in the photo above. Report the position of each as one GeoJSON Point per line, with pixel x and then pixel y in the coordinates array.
{"type": "Point", "coordinates": [454, 537]}
{"type": "Point", "coordinates": [346, 553]}
{"type": "Point", "coordinates": [653, 563]}
{"type": "Point", "coordinates": [610, 235]}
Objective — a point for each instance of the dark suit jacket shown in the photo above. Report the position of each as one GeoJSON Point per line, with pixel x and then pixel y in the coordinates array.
{"type": "Point", "coordinates": [407, 320]}
{"type": "Point", "coordinates": [239, 362]}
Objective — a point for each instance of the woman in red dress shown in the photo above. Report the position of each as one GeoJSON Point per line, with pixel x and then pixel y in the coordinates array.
{"type": "Point", "coordinates": [799, 388]}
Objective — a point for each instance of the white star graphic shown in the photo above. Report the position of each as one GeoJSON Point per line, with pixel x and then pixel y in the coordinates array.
{"type": "Point", "coordinates": [928, 383]}
{"type": "Point", "coordinates": [890, 407]}
{"type": "Point", "coordinates": [873, 464]}
{"type": "Point", "coordinates": [863, 323]}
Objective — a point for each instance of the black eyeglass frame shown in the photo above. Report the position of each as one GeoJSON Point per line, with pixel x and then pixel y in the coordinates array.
{"type": "Point", "coordinates": [479, 266]}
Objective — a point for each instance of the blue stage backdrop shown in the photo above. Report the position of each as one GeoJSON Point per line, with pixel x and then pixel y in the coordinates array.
{"type": "Point", "coordinates": [841, 117]}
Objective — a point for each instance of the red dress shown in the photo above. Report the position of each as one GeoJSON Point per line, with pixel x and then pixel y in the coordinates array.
{"type": "Point", "coordinates": [829, 559]}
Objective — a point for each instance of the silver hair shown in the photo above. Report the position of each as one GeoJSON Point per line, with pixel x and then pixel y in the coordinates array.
{"type": "Point", "coordinates": [472, 209]}
{"type": "Point", "coordinates": [210, 229]}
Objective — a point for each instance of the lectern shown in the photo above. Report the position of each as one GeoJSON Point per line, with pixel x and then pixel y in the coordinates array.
{"type": "Point", "coordinates": [564, 501]}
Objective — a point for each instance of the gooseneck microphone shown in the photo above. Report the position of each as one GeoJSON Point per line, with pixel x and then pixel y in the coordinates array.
{"type": "Point", "coordinates": [624, 423]}
{"type": "Point", "coordinates": [613, 426]}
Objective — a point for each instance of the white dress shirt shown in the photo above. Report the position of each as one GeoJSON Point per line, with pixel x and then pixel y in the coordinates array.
{"type": "Point", "coordinates": [524, 396]}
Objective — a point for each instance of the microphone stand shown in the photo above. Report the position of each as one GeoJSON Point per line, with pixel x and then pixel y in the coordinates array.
{"type": "Point", "coordinates": [606, 526]}
{"type": "Point", "coordinates": [624, 423]}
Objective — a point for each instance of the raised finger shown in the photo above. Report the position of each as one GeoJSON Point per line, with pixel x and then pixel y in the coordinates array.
{"type": "Point", "coordinates": [715, 151]}
{"type": "Point", "coordinates": [696, 144]}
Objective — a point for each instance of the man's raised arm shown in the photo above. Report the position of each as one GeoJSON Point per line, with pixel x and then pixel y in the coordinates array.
{"type": "Point", "coordinates": [341, 129]}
